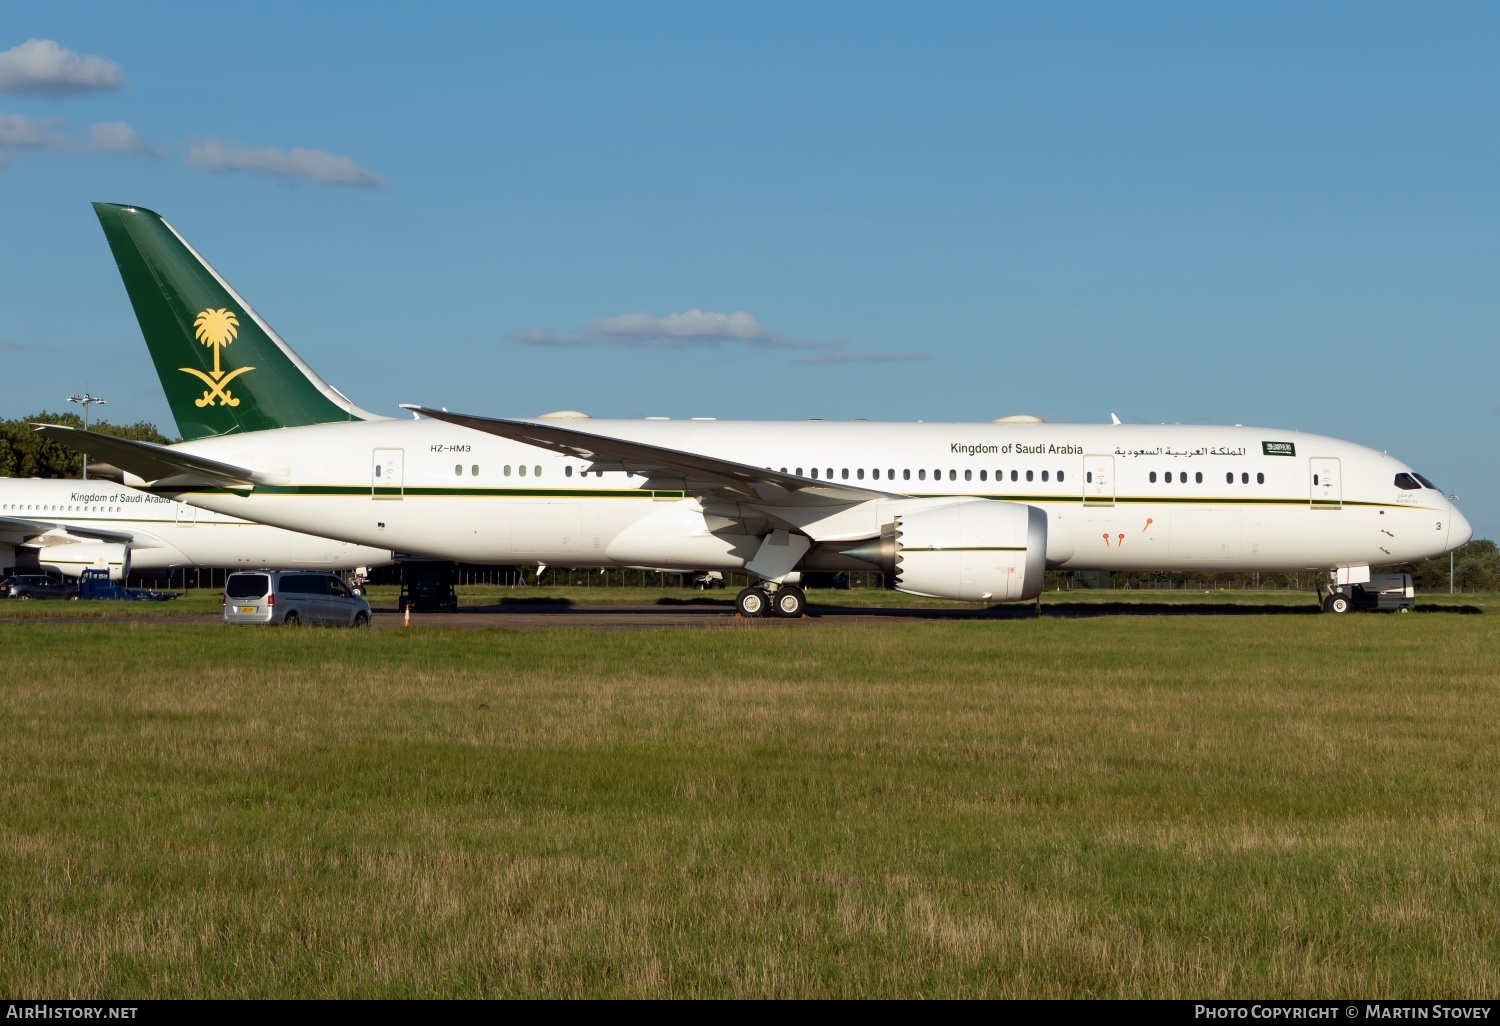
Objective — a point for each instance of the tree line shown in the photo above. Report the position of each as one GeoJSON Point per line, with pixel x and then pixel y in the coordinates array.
{"type": "Point", "coordinates": [1476, 565]}
{"type": "Point", "coordinates": [24, 453]}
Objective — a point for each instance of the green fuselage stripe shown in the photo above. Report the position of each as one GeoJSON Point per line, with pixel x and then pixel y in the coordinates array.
{"type": "Point", "coordinates": [642, 493]}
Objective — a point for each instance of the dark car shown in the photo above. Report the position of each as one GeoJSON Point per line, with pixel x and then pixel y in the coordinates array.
{"type": "Point", "coordinates": [36, 586]}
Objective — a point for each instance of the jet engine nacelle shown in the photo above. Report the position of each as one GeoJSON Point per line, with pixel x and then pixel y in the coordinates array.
{"type": "Point", "coordinates": [73, 558]}
{"type": "Point", "coordinates": [977, 550]}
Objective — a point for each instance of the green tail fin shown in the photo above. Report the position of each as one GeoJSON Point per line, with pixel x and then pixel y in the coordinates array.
{"type": "Point", "coordinates": [223, 368]}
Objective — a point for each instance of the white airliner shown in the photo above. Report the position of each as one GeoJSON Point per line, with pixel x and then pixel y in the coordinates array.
{"type": "Point", "coordinates": [964, 511]}
{"type": "Point", "coordinates": [71, 526]}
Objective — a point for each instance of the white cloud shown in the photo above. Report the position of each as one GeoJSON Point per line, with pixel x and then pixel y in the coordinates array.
{"type": "Point", "coordinates": [116, 137]}
{"type": "Point", "coordinates": [23, 133]}
{"type": "Point", "coordinates": [18, 130]}
{"type": "Point", "coordinates": [41, 66]}
{"type": "Point", "coordinates": [294, 165]}
{"type": "Point", "coordinates": [703, 329]}
{"type": "Point", "coordinates": [693, 327]}
{"type": "Point", "coordinates": [689, 329]}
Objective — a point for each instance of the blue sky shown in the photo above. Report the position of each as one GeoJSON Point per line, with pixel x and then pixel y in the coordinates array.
{"type": "Point", "coordinates": [1269, 214]}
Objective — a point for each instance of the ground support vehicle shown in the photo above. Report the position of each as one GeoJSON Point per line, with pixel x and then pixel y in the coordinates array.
{"type": "Point", "coordinates": [94, 584]}
{"type": "Point", "coordinates": [428, 587]}
{"type": "Point", "coordinates": [1381, 593]}
{"type": "Point", "coordinates": [293, 598]}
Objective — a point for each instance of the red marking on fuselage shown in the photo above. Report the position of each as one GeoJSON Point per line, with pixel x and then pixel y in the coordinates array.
{"type": "Point", "coordinates": [1106, 538]}
{"type": "Point", "coordinates": [1122, 539]}
{"type": "Point", "coordinates": [1149, 522]}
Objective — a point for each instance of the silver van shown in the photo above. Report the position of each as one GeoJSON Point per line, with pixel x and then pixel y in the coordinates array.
{"type": "Point", "coordinates": [293, 597]}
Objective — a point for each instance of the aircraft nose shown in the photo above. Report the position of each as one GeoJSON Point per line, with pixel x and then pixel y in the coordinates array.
{"type": "Point", "coordinates": [1459, 530]}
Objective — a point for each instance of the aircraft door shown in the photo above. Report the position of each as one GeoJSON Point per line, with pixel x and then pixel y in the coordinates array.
{"type": "Point", "coordinates": [386, 474]}
{"type": "Point", "coordinates": [1098, 480]}
{"type": "Point", "coordinates": [1325, 483]}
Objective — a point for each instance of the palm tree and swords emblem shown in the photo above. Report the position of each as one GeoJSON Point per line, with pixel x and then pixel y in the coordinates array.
{"type": "Point", "coordinates": [216, 329]}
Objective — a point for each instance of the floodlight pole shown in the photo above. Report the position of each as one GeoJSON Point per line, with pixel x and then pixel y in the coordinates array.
{"type": "Point", "coordinates": [86, 401]}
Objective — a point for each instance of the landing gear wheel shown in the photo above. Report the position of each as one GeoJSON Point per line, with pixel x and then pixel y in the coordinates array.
{"type": "Point", "coordinates": [1337, 603]}
{"type": "Point", "coordinates": [752, 602]}
{"type": "Point", "coordinates": [1403, 609]}
{"type": "Point", "coordinates": [789, 601]}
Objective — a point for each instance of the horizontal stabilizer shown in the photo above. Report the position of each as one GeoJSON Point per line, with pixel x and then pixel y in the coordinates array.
{"type": "Point", "coordinates": [159, 466]}
{"type": "Point", "coordinates": [700, 474]}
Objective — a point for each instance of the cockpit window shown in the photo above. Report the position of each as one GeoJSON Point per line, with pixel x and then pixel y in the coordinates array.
{"type": "Point", "coordinates": [1426, 482]}
{"type": "Point", "coordinates": [1407, 483]}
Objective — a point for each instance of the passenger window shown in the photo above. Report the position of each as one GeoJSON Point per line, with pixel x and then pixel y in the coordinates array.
{"type": "Point", "coordinates": [1153, 477]}
{"type": "Point", "coordinates": [377, 470]}
{"type": "Point", "coordinates": [1198, 477]}
{"type": "Point", "coordinates": [799, 471]}
{"type": "Point", "coordinates": [1244, 478]}
{"type": "Point", "coordinates": [507, 470]}
{"type": "Point", "coordinates": [860, 473]}
{"type": "Point", "coordinates": [1044, 475]}
{"type": "Point", "coordinates": [890, 475]}
{"type": "Point", "coordinates": [1089, 477]}
{"type": "Point", "coordinates": [1028, 475]}
{"type": "Point", "coordinates": [830, 473]}
{"type": "Point", "coordinates": [521, 470]}
{"type": "Point", "coordinates": [982, 475]}
{"type": "Point", "coordinates": [459, 470]}
{"type": "Point", "coordinates": [921, 475]}
{"type": "Point", "coordinates": [1059, 475]}
{"type": "Point", "coordinates": [1014, 476]}
{"type": "Point", "coordinates": [567, 471]}
{"type": "Point", "coordinates": [536, 471]}
{"type": "Point", "coordinates": [1260, 479]}
{"type": "Point", "coordinates": [968, 475]}
{"type": "Point", "coordinates": [1229, 478]}
{"type": "Point", "coordinates": [906, 474]}
{"type": "Point", "coordinates": [815, 473]}
{"type": "Point", "coordinates": [844, 473]}
{"type": "Point", "coordinates": [474, 470]}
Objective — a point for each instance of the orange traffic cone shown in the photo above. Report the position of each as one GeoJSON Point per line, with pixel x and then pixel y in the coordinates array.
{"type": "Point", "coordinates": [406, 620]}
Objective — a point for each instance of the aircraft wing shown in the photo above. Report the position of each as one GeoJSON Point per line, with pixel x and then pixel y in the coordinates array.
{"type": "Point", "coordinates": [700, 475]}
{"type": "Point", "coordinates": [160, 466]}
{"type": "Point", "coordinates": [16, 531]}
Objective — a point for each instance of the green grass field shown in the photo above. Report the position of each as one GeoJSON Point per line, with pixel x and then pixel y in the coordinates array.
{"type": "Point", "coordinates": [1143, 806]}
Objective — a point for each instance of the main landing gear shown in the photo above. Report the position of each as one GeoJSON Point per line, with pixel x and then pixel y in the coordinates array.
{"type": "Point", "coordinates": [771, 600]}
